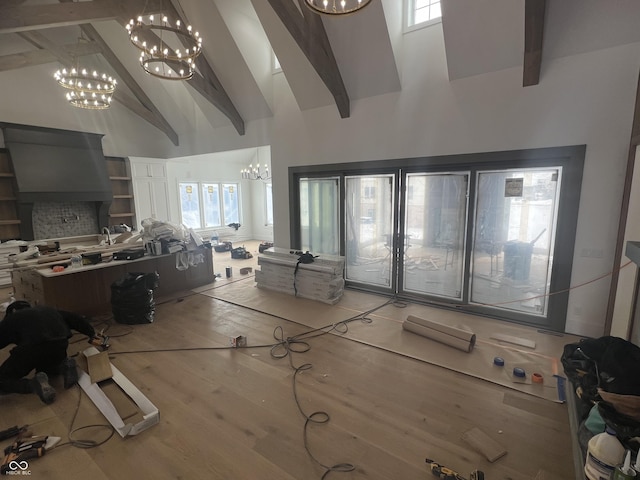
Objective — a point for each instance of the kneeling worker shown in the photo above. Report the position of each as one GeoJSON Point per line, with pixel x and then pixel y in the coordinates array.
{"type": "Point", "coordinates": [41, 337]}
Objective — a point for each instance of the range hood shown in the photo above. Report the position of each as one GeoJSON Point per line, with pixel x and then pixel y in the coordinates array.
{"type": "Point", "coordinates": [52, 165]}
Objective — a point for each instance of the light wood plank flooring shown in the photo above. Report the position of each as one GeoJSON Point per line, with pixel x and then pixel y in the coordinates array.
{"type": "Point", "coordinates": [231, 413]}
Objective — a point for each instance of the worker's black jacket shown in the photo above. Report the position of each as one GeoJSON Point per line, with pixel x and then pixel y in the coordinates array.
{"type": "Point", "coordinates": [31, 326]}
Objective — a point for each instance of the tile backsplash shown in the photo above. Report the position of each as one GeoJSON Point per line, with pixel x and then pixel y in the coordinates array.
{"type": "Point", "coordinates": [64, 219]}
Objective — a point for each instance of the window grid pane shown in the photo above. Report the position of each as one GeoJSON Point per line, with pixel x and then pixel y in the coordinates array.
{"type": "Point", "coordinates": [423, 11]}
{"type": "Point", "coordinates": [190, 205]}
{"type": "Point", "coordinates": [231, 203]}
{"type": "Point", "coordinates": [211, 204]}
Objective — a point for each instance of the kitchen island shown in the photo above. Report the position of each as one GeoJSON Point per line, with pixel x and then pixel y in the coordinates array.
{"type": "Point", "coordinates": [87, 289]}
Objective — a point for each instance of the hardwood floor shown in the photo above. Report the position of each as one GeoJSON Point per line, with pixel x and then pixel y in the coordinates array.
{"type": "Point", "coordinates": [232, 413]}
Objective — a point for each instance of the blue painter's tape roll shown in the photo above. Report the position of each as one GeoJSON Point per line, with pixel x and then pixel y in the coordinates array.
{"type": "Point", "coordinates": [499, 361]}
{"type": "Point", "coordinates": [519, 372]}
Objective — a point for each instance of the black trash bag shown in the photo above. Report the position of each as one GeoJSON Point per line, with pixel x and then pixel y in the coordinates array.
{"type": "Point", "coordinates": [627, 429]}
{"type": "Point", "coordinates": [612, 365]}
{"type": "Point", "coordinates": [240, 253]}
{"type": "Point", "coordinates": [132, 300]}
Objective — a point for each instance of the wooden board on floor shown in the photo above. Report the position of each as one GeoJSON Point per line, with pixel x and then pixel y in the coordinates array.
{"type": "Point", "coordinates": [124, 405]}
{"type": "Point", "coordinates": [99, 367]}
{"type": "Point", "coordinates": [484, 444]}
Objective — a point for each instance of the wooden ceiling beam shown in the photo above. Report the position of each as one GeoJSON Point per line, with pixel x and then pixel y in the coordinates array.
{"type": "Point", "coordinates": [208, 85]}
{"type": "Point", "coordinates": [308, 32]}
{"type": "Point", "coordinates": [139, 109]}
{"type": "Point", "coordinates": [42, 57]}
{"type": "Point", "coordinates": [40, 41]}
{"type": "Point", "coordinates": [533, 36]}
{"type": "Point", "coordinates": [32, 17]}
{"type": "Point", "coordinates": [124, 75]}
{"type": "Point", "coordinates": [210, 88]}
{"type": "Point", "coordinates": [19, 18]}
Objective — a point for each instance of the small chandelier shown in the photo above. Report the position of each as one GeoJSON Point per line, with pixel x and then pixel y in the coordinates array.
{"type": "Point", "coordinates": [256, 173]}
{"type": "Point", "coordinates": [157, 57]}
{"type": "Point", "coordinates": [90, 90]}
{"type": "Point", "coordinates": [336, 7]}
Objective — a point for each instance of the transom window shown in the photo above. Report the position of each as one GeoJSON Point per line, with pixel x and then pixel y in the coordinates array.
{"type": "Point", "coordinates": [423, 12]}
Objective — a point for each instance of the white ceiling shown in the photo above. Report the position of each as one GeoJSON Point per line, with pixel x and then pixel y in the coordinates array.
{"type": "Point", "coordinates": [480, 36]}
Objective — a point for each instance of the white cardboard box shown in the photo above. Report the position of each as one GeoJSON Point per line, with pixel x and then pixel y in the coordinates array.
{"type": "Point", "coordinates": [150, 413]}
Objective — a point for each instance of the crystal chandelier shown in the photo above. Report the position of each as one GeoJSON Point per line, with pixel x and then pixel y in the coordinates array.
{"type": "Point", "coordinates": [336, 7]}
{"type": "Point", "coordinates": [152, 35]}
{"type": "Point", "coordinates": [256, 173]}
{"type": "Point", "coordinates": [86, 88]}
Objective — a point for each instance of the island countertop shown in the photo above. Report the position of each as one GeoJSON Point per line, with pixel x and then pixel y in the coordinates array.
{"type": "Point", "coordinates": [87, 289]}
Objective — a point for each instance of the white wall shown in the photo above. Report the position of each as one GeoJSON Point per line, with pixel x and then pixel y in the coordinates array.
{"type": "Point", "coordinates": [582, 99]}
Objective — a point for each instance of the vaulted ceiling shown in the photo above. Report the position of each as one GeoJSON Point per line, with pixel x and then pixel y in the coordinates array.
{"type": "Point", "coordinates": [326, 61]}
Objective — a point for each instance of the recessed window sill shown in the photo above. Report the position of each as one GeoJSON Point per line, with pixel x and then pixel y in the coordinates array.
{"type": "Point", "coordinates": [420, 26]}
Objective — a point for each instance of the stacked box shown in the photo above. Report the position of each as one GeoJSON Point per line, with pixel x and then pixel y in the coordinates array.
{"type": "Point", "coordinates": [320, 280]}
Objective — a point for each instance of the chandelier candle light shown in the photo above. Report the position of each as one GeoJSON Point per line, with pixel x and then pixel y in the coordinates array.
{"type": "Point", "coordinates": [92, 91]}
{"type": "Point", "coordinates": [255, 173]}
{"type": "Point", "coordinates": [150, 34]}
{"type": "Point", "coordinates": [336, 7]}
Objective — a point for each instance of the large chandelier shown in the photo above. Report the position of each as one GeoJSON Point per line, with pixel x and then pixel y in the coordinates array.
{"type": "Point", "coordinates": [336, 7]}
{"type": "Point", "coordinates": [256, 173]}
{"type": "Point", "coordinates": [86, 88]}
{"type": "Point", "coordinates": [153, 34]}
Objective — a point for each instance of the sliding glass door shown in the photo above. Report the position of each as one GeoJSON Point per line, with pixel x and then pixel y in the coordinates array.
{"type": "Point", "coordinates": [434, 230]}
{"type": "Point", "coordinates": [513, 244]}
{"type": "Point", "coordinates": [369, 229]}
{"type": "Point", "coordinates": [319, 209]}
{"type": "Point", "coordinates": [488, 233]}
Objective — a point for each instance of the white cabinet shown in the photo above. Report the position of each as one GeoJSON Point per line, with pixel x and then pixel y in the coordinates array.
{"type": "Point", "coordinates": [151, 190]}
{"type": "Point", "coordinates": [143, 169]}
{"type": "Point", "coordinates": [152, 198]}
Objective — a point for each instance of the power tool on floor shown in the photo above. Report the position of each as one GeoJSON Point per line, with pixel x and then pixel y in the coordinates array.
{"type": "Point", "coordinates": [445, 473]}
{"type": "Point", "coordinates": [23, 449]}
{"type": "Point", "coordinates": [100, 340]}
{"type": "Point", "coordinates": [13, 432]}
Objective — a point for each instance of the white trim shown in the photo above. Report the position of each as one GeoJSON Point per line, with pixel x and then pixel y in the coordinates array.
{"type": "Point", "coordinates": [265, 191]}
{"type": "Point", "coordinates": [420, 26]}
